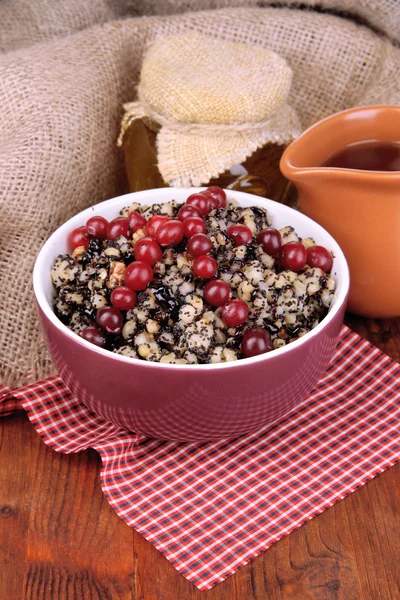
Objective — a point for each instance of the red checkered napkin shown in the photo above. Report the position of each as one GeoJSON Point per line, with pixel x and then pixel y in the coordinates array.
{"type": "Point", "coordinates": [212, 507]}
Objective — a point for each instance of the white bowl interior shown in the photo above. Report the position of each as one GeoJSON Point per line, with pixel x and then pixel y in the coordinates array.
{"type": "Point", "coordinates": [280, 216]}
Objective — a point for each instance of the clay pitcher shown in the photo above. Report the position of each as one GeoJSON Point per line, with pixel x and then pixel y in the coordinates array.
{"type": "Point", "coordinates": [360, 208]}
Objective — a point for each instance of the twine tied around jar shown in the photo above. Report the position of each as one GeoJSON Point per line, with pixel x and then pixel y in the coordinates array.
{"type": "Point", "coordinates": [214, 103]}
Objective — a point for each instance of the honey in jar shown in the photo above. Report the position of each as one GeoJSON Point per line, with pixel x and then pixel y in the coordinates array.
{"type": "Point", "coordinates": [192, 125]}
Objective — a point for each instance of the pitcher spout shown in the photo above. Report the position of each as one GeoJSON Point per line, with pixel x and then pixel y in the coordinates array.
{"type": "Point", "coordinates": [304, 158]}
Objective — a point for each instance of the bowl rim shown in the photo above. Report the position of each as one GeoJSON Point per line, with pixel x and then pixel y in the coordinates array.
{"type": "Point", "coordinates": [340, 296]}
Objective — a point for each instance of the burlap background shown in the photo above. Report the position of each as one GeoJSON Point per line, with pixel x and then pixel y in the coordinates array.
{"type": "Point", "coordinates": [27, 22]}
{"type": "Point", "coordinates": [61, 104]}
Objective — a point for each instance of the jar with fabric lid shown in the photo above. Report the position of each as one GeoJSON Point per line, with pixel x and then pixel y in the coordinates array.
{"type": "Point", "coordinates": [209, 112]}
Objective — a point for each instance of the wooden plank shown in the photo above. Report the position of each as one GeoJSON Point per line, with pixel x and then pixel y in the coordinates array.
{"type": "Point", "coordinates": [62, 540]}
{"type": "Point", "coordinates": [384, 334]}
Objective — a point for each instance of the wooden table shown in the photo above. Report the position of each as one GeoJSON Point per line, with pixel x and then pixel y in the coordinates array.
{"type": "Point", "coordinates": [60, 540]}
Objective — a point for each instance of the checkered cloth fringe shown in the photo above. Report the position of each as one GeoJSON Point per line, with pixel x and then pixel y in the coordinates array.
{"type": "Point", "coordinates": [212, 507]}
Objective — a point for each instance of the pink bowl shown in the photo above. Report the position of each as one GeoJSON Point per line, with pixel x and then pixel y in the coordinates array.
{"type": "Point", "coordinates": [190, 402]}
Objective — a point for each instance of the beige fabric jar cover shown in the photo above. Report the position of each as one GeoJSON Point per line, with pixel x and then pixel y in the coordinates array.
{"type": "Point", "coordinates": [216, 103]}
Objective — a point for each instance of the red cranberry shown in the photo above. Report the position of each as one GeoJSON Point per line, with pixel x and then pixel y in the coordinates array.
{"type": "Point", "coordinates": [136, 221]}
{"type": "Point", "coordinates": [201, 201]}
{"type": "Point", "coordinates": [235, 313]}
{"type": "Point", "coordinates": [217, 292]}
{"type": "Point", "coordinates": [154, 223]}
{"type": "Point", "coordinates": [193, 225]}
{"type": "Point", "coordinates": [255, 341]}
{"type": "Point", "coordinates": [138, 275]}
{"type": "Point", "coordinates": [187, 210]}
{"type": "Point", "coordinates": [97, 227]}
{"type": "Point", "coordinates": [147, 250]}
{"type": "Point", "coordinates": [118, 227]}
{"type": "Point", "coordinates": [199, 244]}
{"type": "Point", "coordinates": [78, 237]}
{"type": "Point", "coordinates": [217, 196]}
{"type": "Point", "coordinates": [170, 234]}
{"type": "Point", "coordinates": [270, 240]}
{"type": "Point", "coordinates": [293, 256]}
{"type": "Point", "coordinates": [94, 336]}
{"type": "Point", "coordinates": [123, 298]}
{"type": "Point", "coordinates": [318, 256]}
{"type": "Point", "coordinates": [240, 234]}
{"type": "Point", "coordinates": [204, 267]}
{"type": "Point", "coordinates": [109, 318]}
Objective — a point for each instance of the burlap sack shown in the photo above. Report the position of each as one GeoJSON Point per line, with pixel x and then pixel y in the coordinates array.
{"type": "Point", "coordinates": [25, 22]}
{"type": "Point", "coordinates": [380, 15]}
{"type": "Point", "coordinates": [60, 110]}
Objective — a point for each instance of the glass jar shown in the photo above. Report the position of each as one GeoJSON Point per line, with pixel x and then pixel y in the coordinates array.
{"type": "Point", "coordinates": [259, 174]}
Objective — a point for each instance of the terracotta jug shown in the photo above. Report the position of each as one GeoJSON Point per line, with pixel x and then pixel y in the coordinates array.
{"type": "Point", "coordinates": [361, 209]}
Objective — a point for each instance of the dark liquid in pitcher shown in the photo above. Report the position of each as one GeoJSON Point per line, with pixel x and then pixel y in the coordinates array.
{"type": "Point", "coordinates": [367, 156]}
